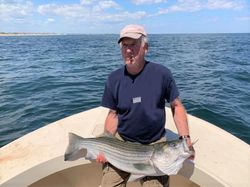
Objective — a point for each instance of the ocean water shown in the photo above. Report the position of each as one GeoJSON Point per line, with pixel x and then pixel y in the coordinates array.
{"type": "Point", "coordinates": [46, 78]}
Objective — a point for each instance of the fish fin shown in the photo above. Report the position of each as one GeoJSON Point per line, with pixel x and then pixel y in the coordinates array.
{"type": "Point", "coordinates": [134, 177]}
{"type": "Point", "coordinates": [73, 152]}
{"type": "Point", "coordinates": [142, 166]}
{"type": "Point", "coordinates": [160, 170]}
{"type": "Point", "coordinates": [106, 134]}
{"type": "Point", "coordinates": [75, 155]}
{"type": "Point", "coordinates": [90, 156]}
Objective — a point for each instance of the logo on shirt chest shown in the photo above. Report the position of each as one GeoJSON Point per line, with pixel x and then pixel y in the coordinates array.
{"type": "Point", "coordinates": [136, 100]}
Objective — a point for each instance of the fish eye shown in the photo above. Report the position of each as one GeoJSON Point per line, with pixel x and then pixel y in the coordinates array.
{"type": "Point", "coordinates": [173, 144]}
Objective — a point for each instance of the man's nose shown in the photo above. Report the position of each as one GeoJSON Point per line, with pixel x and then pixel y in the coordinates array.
{"type": "Point", "coordinates": [128, 49]}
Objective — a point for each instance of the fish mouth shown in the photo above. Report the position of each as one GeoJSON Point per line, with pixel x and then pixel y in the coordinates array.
{"type": "Point", "coordinates": [187, 149]}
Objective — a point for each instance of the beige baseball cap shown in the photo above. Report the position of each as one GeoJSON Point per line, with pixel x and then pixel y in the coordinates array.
{"type": "Point", "coordinates": [132, 31]}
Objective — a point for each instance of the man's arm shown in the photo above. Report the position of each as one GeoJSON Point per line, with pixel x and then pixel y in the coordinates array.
{"type": "Point", "coordinates": [111, 122]}
{"type": "Point", "coordinates": [110, 126]}
{"type": "Point", "coordinates": [180, 119]}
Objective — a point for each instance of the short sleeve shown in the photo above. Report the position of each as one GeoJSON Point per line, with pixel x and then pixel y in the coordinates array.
{"type": "Point", "coordinates": [171, 90]}
{"type": "Point", "coordinates": [108, 99]}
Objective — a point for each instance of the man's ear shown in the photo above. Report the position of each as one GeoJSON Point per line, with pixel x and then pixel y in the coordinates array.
{"type": "Point", "coordinates": [146, 48]}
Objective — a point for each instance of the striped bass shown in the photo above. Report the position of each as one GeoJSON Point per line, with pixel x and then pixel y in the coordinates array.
{"type": "Point", "coordinates": [165, 158]}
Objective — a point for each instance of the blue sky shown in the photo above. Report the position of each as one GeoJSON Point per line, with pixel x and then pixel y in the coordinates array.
{"type": "Point", "coordinates": [109, 16]}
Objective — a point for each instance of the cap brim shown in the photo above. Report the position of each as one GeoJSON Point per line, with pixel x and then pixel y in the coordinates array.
{"type": "Point", "coordinates": [130, 35]}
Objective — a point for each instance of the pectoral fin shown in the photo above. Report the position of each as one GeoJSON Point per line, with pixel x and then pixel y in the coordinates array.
{"type": "Point", "coordinates": [90, 156]}
{"type": "Point", "coordinates": [75, 155]}
{"type": "Point", "coordinates": [142, 166]}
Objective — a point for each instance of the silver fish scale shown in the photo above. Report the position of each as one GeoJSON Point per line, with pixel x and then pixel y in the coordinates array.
{"type": "Point", "coordinates": [122, 155]}
{"type": "Point", "coordinates": [118, 150]}
{"type": "Point", "coordinates": [149, 160]}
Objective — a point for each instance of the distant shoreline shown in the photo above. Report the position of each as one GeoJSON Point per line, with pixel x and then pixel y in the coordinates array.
{"type": "Point", "coordinates": [57, 34]}
{"type": "Point", "coordinates": [26, 34]}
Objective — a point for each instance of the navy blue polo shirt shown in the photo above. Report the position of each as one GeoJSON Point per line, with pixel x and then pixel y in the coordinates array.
{"type": "Point", "coordinates": [140, 101]}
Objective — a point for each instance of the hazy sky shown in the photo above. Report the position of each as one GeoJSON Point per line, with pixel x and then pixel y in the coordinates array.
{"type": "Point", "coordinates": [109, 16]}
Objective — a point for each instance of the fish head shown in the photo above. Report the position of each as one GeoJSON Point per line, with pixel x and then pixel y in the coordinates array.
{"type": "Point", "coordinates": [177, 149]}
{"type": "Point", "coordinates": [169, 156]}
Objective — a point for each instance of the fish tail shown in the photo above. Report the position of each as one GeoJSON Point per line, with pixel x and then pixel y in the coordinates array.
{"type": "Point", "coordinates": [73, 152]}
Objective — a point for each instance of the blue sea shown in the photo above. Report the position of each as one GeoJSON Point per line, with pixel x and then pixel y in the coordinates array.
{"type": "Point", "coordinates": [47, 78]}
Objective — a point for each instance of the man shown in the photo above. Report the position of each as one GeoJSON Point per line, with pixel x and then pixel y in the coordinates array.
{"type": "Point", "coordinates": [136, 95]}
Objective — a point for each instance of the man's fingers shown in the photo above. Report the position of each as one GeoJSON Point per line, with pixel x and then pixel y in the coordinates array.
{"type": "Point", "coordinates": [101, 158]}
{"type": "Point", "coordinates": [191, 148]}
{"type": "Point", "coordinates": [191, 157]}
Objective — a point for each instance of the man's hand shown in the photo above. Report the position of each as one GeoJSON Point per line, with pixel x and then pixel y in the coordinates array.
{"type": "Point", "coordinates": [191, 148]}
{"type": "Point", "coordinates": [101, 158]}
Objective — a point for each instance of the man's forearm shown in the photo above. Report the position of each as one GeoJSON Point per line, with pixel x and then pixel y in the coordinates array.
{"type": "Point", "coordinates": [180, 118]}
{"type": "Point", "coordinates": [111, 122]}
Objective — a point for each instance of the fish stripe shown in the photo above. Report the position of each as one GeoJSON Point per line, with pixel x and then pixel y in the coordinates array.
{"type": "Point", "coordinates": [150, 160]}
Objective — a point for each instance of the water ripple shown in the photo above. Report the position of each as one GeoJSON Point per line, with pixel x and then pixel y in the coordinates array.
{"type": "Point", "coordinates": [44, 79]}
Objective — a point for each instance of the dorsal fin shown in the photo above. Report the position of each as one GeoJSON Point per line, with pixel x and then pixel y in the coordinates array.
{"type": "Point", "coordinates": [106, 134]}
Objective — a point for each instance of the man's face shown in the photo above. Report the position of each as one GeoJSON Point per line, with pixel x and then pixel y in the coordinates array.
{"type": "Point", "coordinates": [132, 51]}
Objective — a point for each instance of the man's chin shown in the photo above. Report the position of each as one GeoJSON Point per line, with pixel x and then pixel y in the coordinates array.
{"type": "Point", "coordinates": [129, 62]}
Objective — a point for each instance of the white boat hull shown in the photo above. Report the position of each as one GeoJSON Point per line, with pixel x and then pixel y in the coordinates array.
{"type": "Point", "coordinates": [37, 158]}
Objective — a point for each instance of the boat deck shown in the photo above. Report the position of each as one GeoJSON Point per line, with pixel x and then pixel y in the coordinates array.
{"type": "Point", "coordinates": [89, 175]}
{"type": "Point", "coordinates": [36, 158]}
